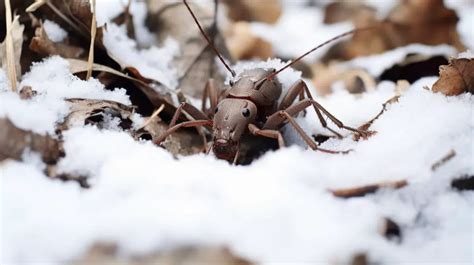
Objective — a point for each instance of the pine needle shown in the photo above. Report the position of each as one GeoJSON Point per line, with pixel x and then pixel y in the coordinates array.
{"type": "Point", "coordinates": [90, 61]}
{"type": "Point", "coordinates": [10, 53]}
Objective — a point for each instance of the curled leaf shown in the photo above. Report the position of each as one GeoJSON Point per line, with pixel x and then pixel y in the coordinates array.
{"type": "Point", "coordinates": [90, 111]}
{"type": "Point", "coordinates": [456, 78]}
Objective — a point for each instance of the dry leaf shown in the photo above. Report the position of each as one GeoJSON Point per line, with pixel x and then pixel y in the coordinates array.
{"type": "Point", "coordinates": [346, 10]}
{"type": "Point", "coordinates": [15, 141]}
{"type": "Point", "coordinates": [268, 11]}
{"type": "Point", "coordinates": [42, 45]}
{"type": "Point", "coordinates": [156, 98]}
{"type": "Point", "coordinates": [181, 142]}
{"type": "Point", "coordinates": [91, 111]}
{"type": "Point", "coordinates": [244, 45]}
{"type": "Point", "coordinates": [412, 21]}
{"type": "Point", "coordinates": [456, 78]}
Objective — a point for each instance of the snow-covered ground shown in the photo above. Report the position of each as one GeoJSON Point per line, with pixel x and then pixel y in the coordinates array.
{"type": "Point", "coordinates": [277, 210]}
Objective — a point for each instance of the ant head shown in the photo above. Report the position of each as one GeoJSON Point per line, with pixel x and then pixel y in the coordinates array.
{"type": "Point", "coordinates": [231, 119]}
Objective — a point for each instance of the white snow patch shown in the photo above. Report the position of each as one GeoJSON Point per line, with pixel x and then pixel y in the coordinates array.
{"type": "Point", "coordinates": [466, 55]}
{"type": "Point", "coordinates": [153, 63]}
{"type": "Point", "coordinates": [276, 210]}
{"type": "Point", "coordinates": [54, 31]}
{"type": "Point", "coordinates": [376, 64]}
{"type": "Point", "coordinates": [299, 30]}
{"type": "Point", "coordinates": [54, 82]}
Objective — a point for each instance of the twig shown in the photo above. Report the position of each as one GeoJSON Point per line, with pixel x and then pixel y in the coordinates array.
{"type": "Point", "coordinates": [155, 113]}
{"type": "Point", "coordinates": [10, 52]}
{"type": "Point", "coordinates": [90, 61]}
{"type": "Point", "coordinates": [364, 190]}
{"type": "Point", "coordinates": [443, 160]}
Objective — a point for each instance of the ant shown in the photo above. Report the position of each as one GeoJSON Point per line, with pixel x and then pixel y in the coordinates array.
{"type": "Point", "coordinates": [250, 105]}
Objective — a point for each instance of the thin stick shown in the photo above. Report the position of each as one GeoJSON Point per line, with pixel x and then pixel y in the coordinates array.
{"type": "Point", "coordinates": [208, 40]}
{"type": "Point", "coordinates": [443, 160]}
{"type": "Point", "coordinates": [90, 61]}
{"type": "Point", "coordinates": [10, 51]}
{"type": "Point", "coordinates": [269, 77]}
{"type": "Point", "coordinates": [364, 190]}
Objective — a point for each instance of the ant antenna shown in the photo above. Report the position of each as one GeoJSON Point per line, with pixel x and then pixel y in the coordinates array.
{"type": "Point", "coordinates": [269, 77]}
{"type": "Point", "coordinates": [208, 40]}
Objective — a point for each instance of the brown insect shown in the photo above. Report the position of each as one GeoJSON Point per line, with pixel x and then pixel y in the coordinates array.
{"type": "Point", "coordinates": [250, 105]}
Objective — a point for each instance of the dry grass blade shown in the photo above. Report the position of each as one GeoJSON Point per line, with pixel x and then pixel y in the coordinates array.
{"type": "Point", "coordinates": [37, 4]}
{"type": "Point", "coordinates": [10, 53]}
{"type": "Point", "coordinates": [93, 34]}
{"type": "Point", "coordinates": [153, 116]}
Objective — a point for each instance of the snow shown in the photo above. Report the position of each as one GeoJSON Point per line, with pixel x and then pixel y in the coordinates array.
{"type": "Point", "coordinates": [54, 31]}
{"type": "Point", "coordinates": [260, 210]}
{"type": "Point", "coordinates": [53, 82]}
{"type": "Point", "coordinates": [153, 63]}
{"type": "Point", "coordinates": [467, 54]}
{"type": "Point", "coordinates": [377, 64]}
{"type": "Point", "coordinates": [289, 42]}
{"type": "Point", "coordinates": [276, 210]}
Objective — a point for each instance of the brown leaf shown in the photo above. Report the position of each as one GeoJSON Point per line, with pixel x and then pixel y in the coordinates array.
{"type": "Point", "coordinates": [91, 111]}
{"type": "Point", "coordinates": [268, 11]}
{"type": "Point", "coordinates": [412, 21]}
{"type": "Point", "coordinates": [74, 16]}
{"type": "Point", "coordinates": [346, 10]}
{"type": "Point", "coordinates": [181, 142]}
{"type": "Point", "coordinates": [42, 45]}
{"type": "Point", "coordinates": [15, 141]}
{"type": "Point", "coordinates": [156, 98]}
{"type": "Point", "coordinates": [456, 78]}
{"type": "Point", "coordinates": [244, 45]}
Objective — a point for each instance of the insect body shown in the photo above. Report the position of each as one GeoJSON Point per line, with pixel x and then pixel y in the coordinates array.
{"type": "Point", "coordinates": [251, 105]}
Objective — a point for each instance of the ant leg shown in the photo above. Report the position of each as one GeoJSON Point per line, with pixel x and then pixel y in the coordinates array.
{"type": "Point", "coordinates": [195, 114]}
{"type": "Point", "coordinates": [267, 133]}
{"type": "Point", "coordinates": [275, 120]}
{"type": "Point", "coordinates": [185, 124]}
{"type": "Point", "coordinates": [301, 86]}
{"type": "Point", "coordinates": [189, 109]}
{"type": "Point", "coordinates": [211, 92]}
{"type": "Point", "coordinates": [305, 136]}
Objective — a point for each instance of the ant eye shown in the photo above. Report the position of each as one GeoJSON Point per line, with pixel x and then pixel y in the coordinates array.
{"type": "Point", "coordinates": [246, 113]}
{"type": "Point", "coordinates": [231, 82]}
{"type": "Point", "coordinates": [216, 110]}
